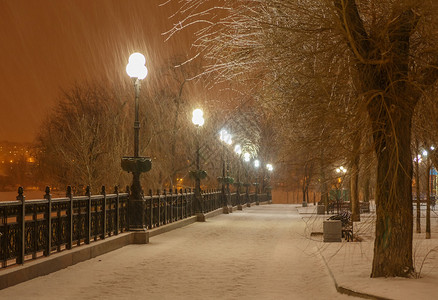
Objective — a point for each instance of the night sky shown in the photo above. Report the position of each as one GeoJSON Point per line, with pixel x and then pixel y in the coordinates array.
{"type": "Point", "coordinates": [48, 45]}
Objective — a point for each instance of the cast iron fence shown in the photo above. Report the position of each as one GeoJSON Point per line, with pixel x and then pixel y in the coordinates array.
{"type": "Point", "coordinates": [34, 228]}
{"type": "Point", "coordinates": [173, 205]}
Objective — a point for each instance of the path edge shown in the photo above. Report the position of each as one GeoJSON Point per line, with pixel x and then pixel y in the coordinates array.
{"type": "Point", "coordinates": [347, 291]}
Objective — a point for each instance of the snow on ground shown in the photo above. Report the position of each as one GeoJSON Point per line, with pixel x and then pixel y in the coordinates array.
{"type": "Point", "coordinates": [350, 262]}
{"type": "Point", "coordinates": [262, 252]}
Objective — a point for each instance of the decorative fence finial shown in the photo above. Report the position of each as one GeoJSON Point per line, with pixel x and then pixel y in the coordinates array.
{"type": "Point", "coordinates": [68, 192]}
{"type": "Point", "coordinates": [20, 194]}
{"type": "Point", "coordinates": [47, 190]}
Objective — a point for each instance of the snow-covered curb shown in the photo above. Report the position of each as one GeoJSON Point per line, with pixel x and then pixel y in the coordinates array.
{"type": "Point", "coordinates": [348, 291]}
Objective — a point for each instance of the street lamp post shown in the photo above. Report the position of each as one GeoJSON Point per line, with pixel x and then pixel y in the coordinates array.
{"type": "Point", "coordinates": [137, 70]}
{"type": "Point", "coordinates": [238, 150]}
{"type": "Point", "coordinates": [270, 168]}
{"type": "Point", "coordinates": [246, 159]}
{"type": "Point", "coordinates": [428, 166]}
{"type": "Point", "coordinates": [198, 120]}
{"type": "Point", "coordinates": [226, 138]}
{"type": "Point", "coordinates": [257, 183]}
{"type": "Point", "coordinates": [339, 190]}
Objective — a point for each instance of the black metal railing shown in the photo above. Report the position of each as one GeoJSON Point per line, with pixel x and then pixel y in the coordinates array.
{"type": "Point", "coordinates": [244, 198]}
{"type": "Point", "coordinates": [167, 207]}
{"type": "Point", "coordinates": [173, 205]}
{"type": "Point", "coordinates": [35, 228]}
{"type": "Point", "coordinates": [212, 200]}
{"type": "Point", "coordinates": [234, 199]}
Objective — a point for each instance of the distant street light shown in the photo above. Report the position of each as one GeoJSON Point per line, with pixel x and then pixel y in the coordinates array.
{"type": "Point", "coordinates": [137, 70]}
{"type": "Point", "coordinates": [238, 184]}
{"type": "Point", "coordinates": [238, 150]}
{"type": "Point", "coordinates": [257, 165]}
{"type": "Point", "coordinates": [341, 169]}
{"type": "Point", "coordinates": [270, 168]}
{"type": "Point", "coordinates": [246, 157]}
{"type": "Point", "coordinates": [198, 117]}
{"type": "Point", "coordinates": [226, 138]}
{"type": "Point", "coordinates": [339, 190]}
{"type": "Point", "coordinates": [198, 120]}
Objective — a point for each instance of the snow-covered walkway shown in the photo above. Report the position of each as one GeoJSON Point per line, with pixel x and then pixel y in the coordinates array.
{"type": "Point", "coordinates": [258, 253]}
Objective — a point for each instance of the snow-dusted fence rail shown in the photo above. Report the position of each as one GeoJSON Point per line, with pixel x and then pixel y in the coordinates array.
{"type": "Point", "coordinates": [173, 205]}
{"type": "Point", "coordinates": [212, 200]}
{"type": "Point", "coordinates": [35, 228]}
{"type": "Point", "coordinates": [243, 198]}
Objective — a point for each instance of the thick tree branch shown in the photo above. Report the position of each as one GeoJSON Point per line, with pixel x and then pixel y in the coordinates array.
{"type": "Point", "coordinates": [356, 34]}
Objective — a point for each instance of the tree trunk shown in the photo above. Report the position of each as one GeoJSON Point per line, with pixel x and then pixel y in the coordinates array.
{"type": "Point", "coordinates": [304, 191]}
{"type": "Point", "coordinates": [428, 199]}
{"type": "Point", "coordinates": [307, 196]}
{"type": "Point", "coordinates": [390, 108]}
{"type": "Point", "coordinates": [355, 205]}
{"type": "Point", "coordinates": [393, 242]}
{"type": "Point", "coordinates": [417, 187]}
{"type": "Point", "coordinates": [354, 181]}
{"type": "Point", "coordinates": [324, 188]}
{"type": "Point", "coordinates": [366, 193]}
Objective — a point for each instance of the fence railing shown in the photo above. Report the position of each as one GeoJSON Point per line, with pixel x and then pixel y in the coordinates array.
{"type": "Point", "coordinates": [173, 205]}
{"type": "Point", "coordinates": [34, 228]}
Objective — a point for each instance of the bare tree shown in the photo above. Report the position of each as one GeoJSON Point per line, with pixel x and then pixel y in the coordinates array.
{"type": "Point", "coordinates": [385, 50]}
{"type": "Point", "coordinates": [84, 137]}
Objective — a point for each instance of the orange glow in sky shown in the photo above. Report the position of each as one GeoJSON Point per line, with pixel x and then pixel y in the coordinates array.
{"type": "Point", "coordinates": [47, 46]}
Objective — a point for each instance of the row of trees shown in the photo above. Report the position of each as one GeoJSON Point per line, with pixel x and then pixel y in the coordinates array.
{"type": "Point", "coordinates": [346, 81]}
{"type": "Point", "coordinates": [84, 137]}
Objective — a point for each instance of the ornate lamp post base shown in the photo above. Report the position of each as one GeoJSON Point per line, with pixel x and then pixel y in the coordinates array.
{"type": "Point", "coordinates": [136, 204]}
{"type": "Point", "coordinates": [227, 209]}
{"type": "Point", "coordinates": [256, 184]}
{"type": "Point", "coordinates": [225, 181]}
{"type": "Point", "coordinates": [140, 236]}
{"type": "Point", "coordinates": [199, 202]}
{"type": "Point", "coordinates": [269, 192]}
{"type": "Point", "coordinates": [200, 217]}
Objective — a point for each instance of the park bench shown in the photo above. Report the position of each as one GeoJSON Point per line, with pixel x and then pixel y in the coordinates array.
{"type": "Point", "coordinates": [333, 206]}
{"type": "Point", "coordinates": [347, 224]}
{"type": "Point", "coordinates": [364, 207]}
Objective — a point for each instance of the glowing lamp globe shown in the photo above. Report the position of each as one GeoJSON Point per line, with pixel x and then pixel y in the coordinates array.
{"type": "Point", "coordinates": [256, 163]}
{"type": "Point", "coordinates": [222, 135]}
{"type": "Point", "coordinates": [198, 118]}
{"type": "Point", "coordinates": [136, 67]}
{"type": "Point", "coordinates": [137, 59]}
{"type": "Point", "coordinates": [238, 149]}
{"type": "Point", "coordinates": [228, 139]}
